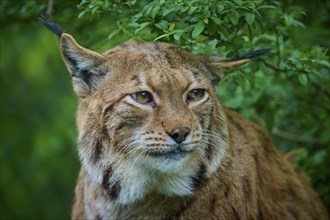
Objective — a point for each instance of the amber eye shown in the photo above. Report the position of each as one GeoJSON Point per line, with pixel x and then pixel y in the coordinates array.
{"type": "Point", "coordinates": [195, 95]}
{"type": "Point", "coordinates": [143, 97]}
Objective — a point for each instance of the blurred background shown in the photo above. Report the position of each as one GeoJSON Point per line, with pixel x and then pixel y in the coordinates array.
{"type": "Point", "coordinates": [39, 163]}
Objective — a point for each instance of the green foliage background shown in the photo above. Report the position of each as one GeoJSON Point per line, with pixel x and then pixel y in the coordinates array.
{"type": "Point", "coordinates": [286, 92]}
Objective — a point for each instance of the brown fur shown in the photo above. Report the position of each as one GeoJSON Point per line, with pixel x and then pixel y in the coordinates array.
{"type": "Point", "coordinates": [231, 172]}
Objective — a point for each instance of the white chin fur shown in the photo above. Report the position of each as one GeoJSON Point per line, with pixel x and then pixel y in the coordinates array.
{"type": "Point", "coordinates": [169, 176]}
{"type": "Point", "coordinates": [158, 175]}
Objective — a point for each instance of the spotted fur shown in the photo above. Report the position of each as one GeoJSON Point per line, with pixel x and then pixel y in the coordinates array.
{"type": "Point", "coordinates": [226, 168]}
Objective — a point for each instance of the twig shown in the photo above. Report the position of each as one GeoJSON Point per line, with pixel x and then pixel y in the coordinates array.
{"type": "Point", "coordinates": [49, 11]}
{"type": "Point", "coordinates": [272, 66]}
{"type": "Point", "coordinates": [293, 154]}
{"type": "Point", "coordinates": [292, 137]}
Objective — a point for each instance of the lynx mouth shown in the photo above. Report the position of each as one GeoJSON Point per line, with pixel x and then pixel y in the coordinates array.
{"type": "Point", "coordinates": [175, 153]}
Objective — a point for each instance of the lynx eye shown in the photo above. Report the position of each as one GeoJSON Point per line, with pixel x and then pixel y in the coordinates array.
{"type": "Point", "coordinates": [143, 97]}
{"type": "Point", "coordinates": [195, 95]}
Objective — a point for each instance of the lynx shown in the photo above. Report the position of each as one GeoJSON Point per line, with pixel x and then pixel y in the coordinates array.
{"type": "Point", "coordinates": [156, 143]}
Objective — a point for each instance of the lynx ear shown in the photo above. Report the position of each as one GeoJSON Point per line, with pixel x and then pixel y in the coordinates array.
{"type": "Point", "coordinates": [222, 67]}
{"type": "Point", "coordinates": [84, 65]}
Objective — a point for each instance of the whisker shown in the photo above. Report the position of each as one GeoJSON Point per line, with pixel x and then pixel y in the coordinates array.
{"type": "Point", "coordinates": [130, 151]}
{"type": "Point", "coordinates": [136, 159]}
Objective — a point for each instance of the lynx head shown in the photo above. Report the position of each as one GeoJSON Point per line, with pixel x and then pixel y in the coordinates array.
{"type": "Point", "coordinates": [149, 119]}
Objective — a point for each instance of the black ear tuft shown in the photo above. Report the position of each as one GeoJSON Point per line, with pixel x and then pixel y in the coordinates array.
{"type": "Point", "coordinates": [222, 67]}
{"type": "Point", "coordinates": [51, 25]}
{"type": "Point", "coordinates": [252, 55]}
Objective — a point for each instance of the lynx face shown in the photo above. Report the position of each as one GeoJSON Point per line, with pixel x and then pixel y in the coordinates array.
{"type": "Point", "coordinates": [149, 120]}
{"type": "Point", "coordinates": [162, 115]}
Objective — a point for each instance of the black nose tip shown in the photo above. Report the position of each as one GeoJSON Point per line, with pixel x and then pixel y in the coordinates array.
{"type": "Point", "coordinates": [179, 134]}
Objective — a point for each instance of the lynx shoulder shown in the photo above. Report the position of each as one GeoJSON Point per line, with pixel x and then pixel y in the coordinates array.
{"type": "Point", "coordinates": [156, 143]}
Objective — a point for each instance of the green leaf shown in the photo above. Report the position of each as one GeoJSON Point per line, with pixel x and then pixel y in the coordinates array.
{"type": "Point", "coordinates": [83, 2]}
{"type": "Point", "coordinates": [234, 17]}
{"type": "Point", "coordinates": [91, 5]}
{"type": "Point", "coordinates": [216, 20]}
{"type": "Point", "coordinates": [171, 28]}
{"type": "Point", "coordinates": [105, 4]}
{"type": "Point", "coordinates": [298, 24]}
{"type": "Point", "coordinates": [198, 29]}
{"type": "Point", "coordinates": [147, 9]}
{"type": "Point", "coordinates": [94, 10]}
{"type": "Point", "coordinates": [184, 9]}
{"type": "Point", "coordinates": [169, 10]}
{"type": "Point", "coordinates": [154, 11]}
{"type": "Point", "coordinates": [178, 34]}
{"type": "Point", "coordinates": [303, 79]}
{"type": "Point", "coordinates": [288, 20]}
{"type": "Point", "coordinates": [325, 63]}
{"type": "Point", "coordinates": [81, 14]}
{"type": "Point", "coordinates": [164, 35]}
{"type": "Point", "coordinates": [266, 7]}
{"type": "Point", "coordinates": [115, 32]}
{"type": "Point", "coordinates": [163, 25]}
{"type": "Point", "coordinates": [220, 8]}
{"type": "Point", "coordinates": [206, 12]}
{"type": "Point", "coordinates": [249, 18]}
{"type": "Point", "coordinates": [143, 25]}
{"type": "Point", "coordinates": [191, 10]}
{"type": "Point", "coordinates": [238, 2]}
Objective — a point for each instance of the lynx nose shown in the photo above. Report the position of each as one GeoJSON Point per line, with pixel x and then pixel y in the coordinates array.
{"type": "Point", "coordinates": [179, 134]}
